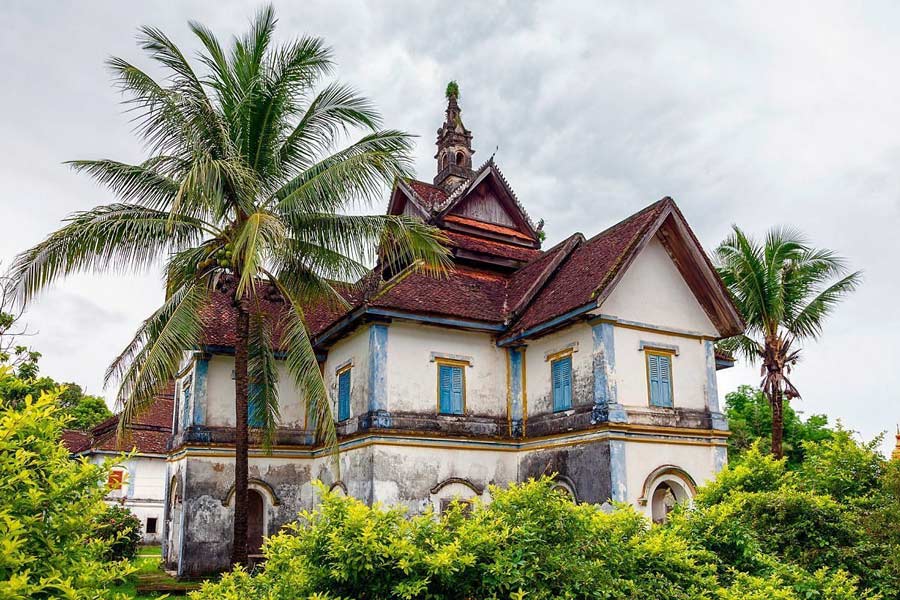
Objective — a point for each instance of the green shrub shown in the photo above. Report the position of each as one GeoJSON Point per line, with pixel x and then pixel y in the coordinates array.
{"type": "Point", "coordinates": [121, 530]}
{"type": "Point", "coordinates": [47, 503]}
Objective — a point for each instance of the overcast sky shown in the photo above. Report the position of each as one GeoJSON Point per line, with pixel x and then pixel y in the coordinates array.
{"type": "Point", "coordinates": [751, 114]}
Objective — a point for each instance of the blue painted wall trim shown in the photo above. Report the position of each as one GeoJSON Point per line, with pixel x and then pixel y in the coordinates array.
{"type": "Point", "coordinates": [435, 320]}
{"type": "Point", "coordinates": [516, 388]}
{"type": "Point", "coordinates": [712, 388]}
{"type": "Point", "coordinates": [617, 472]}
{"type": "Point", "coordinates": [606, 406]}
{"type": "Point", "coordinates": [549, 324]}
{"type": "Point", "coordinates": [378, 341]}
{"type": "Point", "coordinates": [201, 376]}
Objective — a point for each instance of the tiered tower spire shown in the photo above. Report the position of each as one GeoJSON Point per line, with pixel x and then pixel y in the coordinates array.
{"type": "Point", "coordinates": [454, 145]}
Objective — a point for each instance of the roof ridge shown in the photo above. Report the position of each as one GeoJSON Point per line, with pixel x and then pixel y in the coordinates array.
{"type": "Point", "coordinates": [646, 209]}
{"type": "Point", "coordinates": [566, 247]}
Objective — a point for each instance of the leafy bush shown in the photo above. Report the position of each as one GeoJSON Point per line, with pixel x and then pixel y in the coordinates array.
{"type": "Point", "coordinates": [121, 530]}
{"type": "Point", "coordinates": [531, 542]}
{"type": "Point", "coordinates": [839, 509]}
{"type": "Point", "coordinates": [47, 502]}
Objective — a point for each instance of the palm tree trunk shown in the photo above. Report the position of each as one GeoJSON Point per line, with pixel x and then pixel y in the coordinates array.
{"type": "Point", "coordinates": [777, 402]}
{"type": "Point", "coordinates": [241, 438]}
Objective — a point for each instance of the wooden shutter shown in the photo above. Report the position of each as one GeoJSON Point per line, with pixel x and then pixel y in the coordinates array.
{"type": "Point", "coordinates": [344, 395]}
{"type": "Point", "coordinates": [561, 374]}
{"type": "Point", "coordinates": [659, 368]}
{"type": "Point", "coordinates": [445, 386]}
{"type": "Point", "coordinates": [457, 394]}
{"type": "Point", "coordinates": [451, 389]}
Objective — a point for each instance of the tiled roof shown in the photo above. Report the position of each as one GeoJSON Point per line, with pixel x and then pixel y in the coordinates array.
{"type": "Point", "coordinates": [75, 441]}
{"type": "Point", "coordinates": [490, 227]}
{"type": "Point", "coordinates": [430, 195]}
{"type": "Point", "coordinates": [548, 286]}
{"type": "Point", "coordinates": [147, 434]}
{"type": "Point", "coordinates": [467, 293]}
{"type": "Point", "coordinates": [484, 246]}
{"type": "Point", "coordinates": [589, 267]}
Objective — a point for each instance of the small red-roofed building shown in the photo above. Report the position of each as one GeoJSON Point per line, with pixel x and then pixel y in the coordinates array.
{"type": "Point", "coordinates": [139, 481]}
{"type": "Point", "coordinates": [593, 360]}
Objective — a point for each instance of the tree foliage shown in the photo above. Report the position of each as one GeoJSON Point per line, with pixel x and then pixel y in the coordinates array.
{"type": "Point", "coordinates": [784, 289]}
{"type": "Point", "coordinates": [254, 168]}
{"type": "Point", "coordinates": [47, 503]}
{"type": "Point", "coordinates": [750, 421]}
{"type": "Point", "coordinates": [531, 541]}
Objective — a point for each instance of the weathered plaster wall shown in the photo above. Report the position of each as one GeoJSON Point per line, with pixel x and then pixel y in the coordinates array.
{"type": "Point", "coordinates": [219, 409]}
{"type": "Point", "coordinates": [642, 458]}
{"type": "Point", "coordinates": [537, 368]}
{"type": "Point", "coordinates": [406, 475]}
{"type": "Point", "coordinates": [688, 368]}
{"type": "Point", "coordinates": [653, 291]}
{"type": "Point", "coordinates": [353, 350]}
{"type": "Point", "coordinates": [585, 467]}
{"type": "Point", "coordinates": [412, 371]}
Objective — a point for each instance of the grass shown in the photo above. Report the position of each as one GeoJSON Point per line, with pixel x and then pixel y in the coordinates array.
{"type": "Point", "coordinates": [149, 572]}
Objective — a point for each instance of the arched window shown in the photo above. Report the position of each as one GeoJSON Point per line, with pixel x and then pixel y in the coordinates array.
{"type": "Point", "coordinates": [460, 158]}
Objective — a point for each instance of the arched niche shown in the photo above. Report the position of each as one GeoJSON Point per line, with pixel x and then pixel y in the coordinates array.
{"type": "Point", "coordinates": [453, 488]}
{"type": "Point", "coordinates": [565, 485]}
{"type": "Point", "coordinates": [665, 487]}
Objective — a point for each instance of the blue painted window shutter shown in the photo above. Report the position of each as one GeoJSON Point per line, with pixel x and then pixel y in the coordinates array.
{"type": "Point", "coordinates": [344, 395]}
{"type": "Point", "coordinates": [450, 385]}
{"type": "Point", "coordinates": [561, 374]}
{"type": "Point", "coordinates": [660, 374]}
{"type": "Point", "coordinates": [254, 399]}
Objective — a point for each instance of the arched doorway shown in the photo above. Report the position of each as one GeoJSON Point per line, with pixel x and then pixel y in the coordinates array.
{"type": "Point", "coordinates": [255, 522]}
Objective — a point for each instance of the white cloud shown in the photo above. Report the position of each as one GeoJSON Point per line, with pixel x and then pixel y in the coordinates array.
{"type": "Point", "coordinates": [753, 113]}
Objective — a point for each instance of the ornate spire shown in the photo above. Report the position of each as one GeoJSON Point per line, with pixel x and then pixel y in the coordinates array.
{"type": "Point", "coordinates": [896, 453]}
{"type": "Point", "coordinates": [454, 145]}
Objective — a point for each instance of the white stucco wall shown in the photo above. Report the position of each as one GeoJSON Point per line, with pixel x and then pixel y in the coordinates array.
{"type": "Point", "coordinates": [688, 368]}
{"type": "Point", "coordinates": [219, 410]}
{"type": "Point", "coordinates": [537, 368]}
{"type": "Point", "coordinates": [353, 350]}
{"type": "Point", "coordinates": [642, 458]}
{"type": "Point", "coordinates": [653, 291]}
{"type": "Point", "coordinates": [412, 373]}
{"type": "Point", "coordinates": [144, 490]}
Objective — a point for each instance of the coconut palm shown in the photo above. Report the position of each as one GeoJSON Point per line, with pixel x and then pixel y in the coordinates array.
{"type": "Point", "coordinates": [252, 169]}
{"type": "Point", "coordinates": [784, 289]}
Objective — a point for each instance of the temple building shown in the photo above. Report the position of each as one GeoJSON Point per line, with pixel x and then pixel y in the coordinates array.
{"type": "Point", "coordinates": [593, 359]}
{"type": "Point", "coordinates": [138, 482]}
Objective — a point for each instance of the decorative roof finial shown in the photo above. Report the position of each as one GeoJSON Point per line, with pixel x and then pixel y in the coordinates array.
{"type": "Point", "coordinates": [454, 145]}
{"type": "Point", "coordinates": [452, 90]}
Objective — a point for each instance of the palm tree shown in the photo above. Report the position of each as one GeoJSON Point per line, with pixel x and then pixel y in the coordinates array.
{"type": "Point", "coordinates": [784, 289]}
{"type": "Point", "coordinates": [251, 171]}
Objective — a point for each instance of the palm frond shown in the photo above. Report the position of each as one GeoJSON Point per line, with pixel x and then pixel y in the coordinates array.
{"type": "Point", "coordinates": [300, 358]}
{"type": "Point", "coordinates": [333, 112]}
{"type": "Point", "coordinates": [263, 374]}
{"type": "Point", "coordinates": [354, 175]}
{"type": "Point", "coordinates": [116, 237]}
{"type": "Point", "coordinates": [392, 238]}
{"type": "Point", "coordinates": [809, 320]}
{"type": "Point", "coordinates": [255, 238]}
{"type": "Point", "coordinates": [152, 358]}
